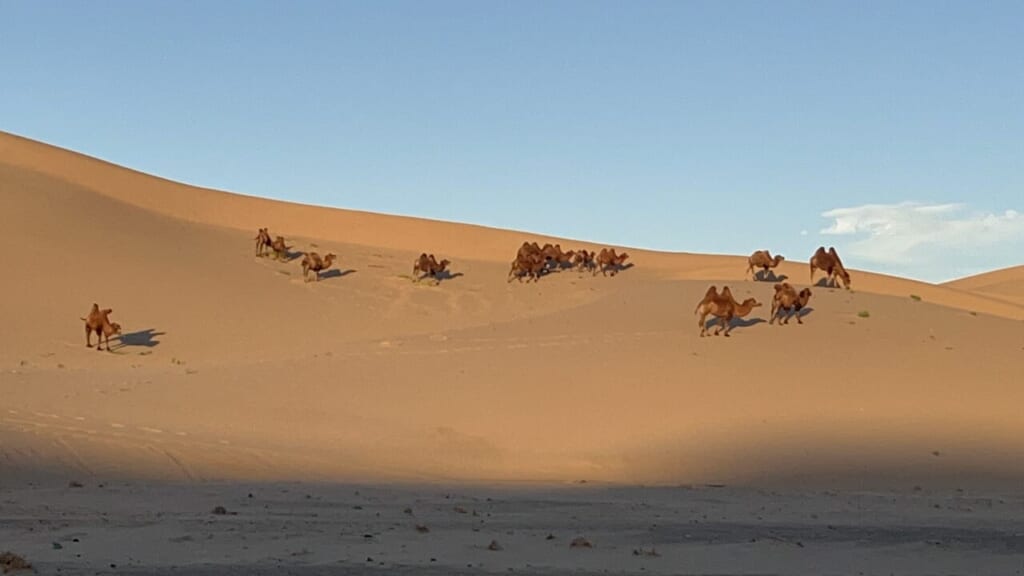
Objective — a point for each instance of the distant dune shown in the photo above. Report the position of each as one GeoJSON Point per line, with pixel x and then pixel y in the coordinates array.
{"type": "Point", "coordinates": [232, 367]}
{"type": "Point", "coordinates": [1006, 284]}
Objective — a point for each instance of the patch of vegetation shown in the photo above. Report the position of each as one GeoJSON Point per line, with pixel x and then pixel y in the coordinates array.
{"type": "Point", "coordinates": [915, 297]}
{"type": "Point", "coordinates": [863, 314]}
{"type": "Point", "coordinates": [973, 313]}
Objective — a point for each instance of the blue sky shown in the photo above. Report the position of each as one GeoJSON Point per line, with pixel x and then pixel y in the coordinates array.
{"type": "Point", "coordinates": [892, 130]}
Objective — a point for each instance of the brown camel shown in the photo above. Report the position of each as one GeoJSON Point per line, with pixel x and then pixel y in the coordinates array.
{"type": "Point", "coordinates": [263, 241]}
{"type": "Point", "coordinates": [584, 260]}
{"type": "Point", "coordinates": [832, 265]}
{"type": "Point", "coordinates": [762, 259]}
{"type": "Point", "coordinates": [98, 321]}
{"type": "Point", "coordinates": [279, 248]}
{"type": "Point", "coordinates": [724, 307]}
{"type": "Point", "coordinates": [429, 266]}
{"type": "Point", "coordinates": [788, 300]}
{"type": "Point", "coordinates": [607, 259]}
{"type": "Point", "coordinates": [530, 265]}
{"type": "Point", "coordinates": [312, 262]}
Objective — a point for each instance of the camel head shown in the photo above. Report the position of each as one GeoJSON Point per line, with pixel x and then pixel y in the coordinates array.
{"type": "Point", "coordinates": [329, 259]}
{"type": "Point", "coordinates": [778, 259]}
{"type": "Point", "coordinates": [752, 303]}
{"type": "Point", "coordinates": [845, 276]}
{"type": "Point", "coordinates": [443, 264]}
{"type": "Point", "coordinates": [804, 296]}
{"type": "Point", "coordinates": [115, 328]}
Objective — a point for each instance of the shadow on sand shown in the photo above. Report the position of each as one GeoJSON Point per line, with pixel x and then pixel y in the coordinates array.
{"type": "Point", "coordinates": [142, 338]}
{"type": "Point", "coordinates": [770, 276]}
{"type": "Point", "coordinates": [335, 273]}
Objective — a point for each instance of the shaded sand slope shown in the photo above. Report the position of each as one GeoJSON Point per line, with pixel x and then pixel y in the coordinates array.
{"type": "Point", "coordinates": [233, 368]}
{"type": "Point", "coordinates": [1007, 284]}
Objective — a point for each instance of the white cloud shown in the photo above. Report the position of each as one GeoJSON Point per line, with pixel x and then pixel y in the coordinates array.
{"type": "Point", "coordinates": [918, 240]}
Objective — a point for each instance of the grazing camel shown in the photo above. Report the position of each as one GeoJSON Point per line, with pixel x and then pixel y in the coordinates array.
{"type": "Point", "coordinates": [98, 321]}
{"type": "Point", "coordinates": [788, 300]}
{"type": "Point", "coordinates": [279, 248]}
{"type": "Point", "coordinates": [607, 259]}
{"type": "Point", "coordinates": [724, 307]}
{"type": "Point", "coordinates": [429, 266]}
{"type": "Point", "coordinates": [312, 262]}
{"type": "Point", "coordinates": [762, 259]}
{"type": "Point", "coordinates": [263, 241]}
{"type": "Point", "coordinates": [832, 265]}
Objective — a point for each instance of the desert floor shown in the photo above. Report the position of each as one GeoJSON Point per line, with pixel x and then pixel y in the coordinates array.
{"type": "Point", "coordinates": [884, 434]}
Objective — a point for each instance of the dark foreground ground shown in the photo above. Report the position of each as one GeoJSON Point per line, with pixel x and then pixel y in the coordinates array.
{"type": "Point", "coordinates": [139, 528]}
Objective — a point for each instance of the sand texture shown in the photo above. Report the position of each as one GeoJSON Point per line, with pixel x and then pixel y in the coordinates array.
{"type": "Point", "coordinates": [232, 369]}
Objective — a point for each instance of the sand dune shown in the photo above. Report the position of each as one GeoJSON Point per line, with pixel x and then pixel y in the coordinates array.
{"type": "Point", "coordinates": [1007, 284]}
{"type": "Point", "coordinates": [233, 368]}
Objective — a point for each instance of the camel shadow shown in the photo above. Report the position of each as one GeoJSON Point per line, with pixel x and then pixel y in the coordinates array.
{"type": "Point", "coordinates": [782, 315]}
{"type": "Point", "coordinates": [824, 283]}
{"type": "Point", "coordinates": [770, 276]}
{"type": "Point", "coordinates": [614, 270]}
{"type": "Point", "coordinates": [290, 256]}
{"type": "Point", "coordinates": [736, 323]}
{"type": "Point", "coordinates": [143, 338]}
{"type": "Point", "coordinates": [447, 275]}
{"type": "Point", "coordinates": [336, 273]}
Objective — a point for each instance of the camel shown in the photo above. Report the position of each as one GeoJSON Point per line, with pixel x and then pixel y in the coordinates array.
{"type": "Point", "coordinates": [555, 256]}
{"type": "Point", "coordinates": [263, 241]}
{"type": "Point", "coordinates": [762, 259]}
{"type": "Point", "coordinates": [724, 307]}
{"type": "Point", "coordinates": [528, 249]}
{"type": "Point", "coordinates": [832, 265]}
{"type": "Point", "coordinates": [584, 260]}
{"type": "Point", "coordinates": [98, 321]}
{"type": "Point", "coordinates": [530, 265]}
{"type": "Point", "coordinates": [429, 266]}
{"type": "Point", "coordinates": [607, 259]}
{"type": "Point", "coordinates": [279, 248]}
{"type": "Point", "coordinates": [786, 299]}
{"type": "Point", "coordinates": [312, 262]}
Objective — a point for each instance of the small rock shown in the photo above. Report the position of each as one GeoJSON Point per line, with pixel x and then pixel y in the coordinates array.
{"type": "Point", "coordinates": [75, 484]}
{"type": "Point", "coordinates": [494, 546]}
{"type": "Point", "coordinates": [549, 537]}
{"type": "Point", "coordinates": [580, 542]}
{"type": "Point", "coordinates": [57, 546]}
{"type": "Point", "coordinates": [460, 510]}
{"type": "Point", "coordinates": [220, 510]}
{"type": "Point", "coordinates": [407, 511]}
{"type": "Point", "coordinates": [422, 529]}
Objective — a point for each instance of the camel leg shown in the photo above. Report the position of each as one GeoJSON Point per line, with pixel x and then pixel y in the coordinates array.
{"type": "Point", "coordinates": [798, 320]}
{"type": "Point", "coordinates": [88, 336]}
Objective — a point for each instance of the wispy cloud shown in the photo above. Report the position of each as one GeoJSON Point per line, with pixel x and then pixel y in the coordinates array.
{"type": "Point", "coordinates": [928, 241]}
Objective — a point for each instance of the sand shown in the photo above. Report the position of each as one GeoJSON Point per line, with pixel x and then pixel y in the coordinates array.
{"type": "Point", "coordinates": [233, 370]}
